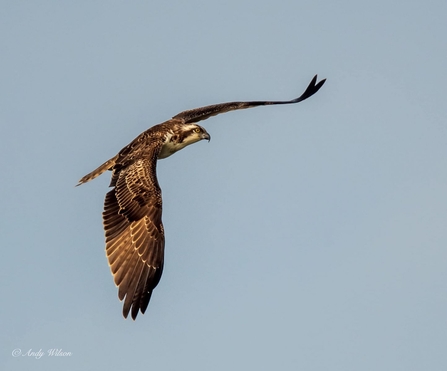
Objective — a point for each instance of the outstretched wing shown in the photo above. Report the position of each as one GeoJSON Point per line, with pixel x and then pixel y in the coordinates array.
{"type": "Point", "coordinates": [202, 113]}
{"type": "Point", "coordinates": [134, 232]}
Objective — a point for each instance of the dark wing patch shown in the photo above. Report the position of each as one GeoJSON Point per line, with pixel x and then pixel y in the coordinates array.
{"type": "Point", "coordinates": [202, 113]}
{"type": "Point", "coordinates": [134, 234]}
{"type": "Point", "coordinates": [136, 187]}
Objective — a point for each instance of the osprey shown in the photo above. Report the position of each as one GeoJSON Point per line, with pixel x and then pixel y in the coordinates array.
{"type": "Point", "coordinates": [134, 231]}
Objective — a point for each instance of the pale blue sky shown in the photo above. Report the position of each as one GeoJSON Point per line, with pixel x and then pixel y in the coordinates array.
{"type": "Point", "coordinates": [302, 237]}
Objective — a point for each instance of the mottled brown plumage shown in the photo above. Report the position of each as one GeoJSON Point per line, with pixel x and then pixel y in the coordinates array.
{"type": "Point", "coordinates": [132, 209]}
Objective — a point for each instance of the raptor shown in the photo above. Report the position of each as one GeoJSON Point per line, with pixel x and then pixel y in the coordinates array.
{"type": "Point", "coordinates": [132, 216]}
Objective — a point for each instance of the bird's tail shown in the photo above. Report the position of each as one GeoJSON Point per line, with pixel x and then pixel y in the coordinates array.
{"type": "Point", "coordinates": [105, 166]}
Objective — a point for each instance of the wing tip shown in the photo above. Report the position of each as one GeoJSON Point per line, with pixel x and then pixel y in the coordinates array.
{"type": "Point", "coordinates": [134, 309]}
{"type": "Point", "coordinates": [311, 89]}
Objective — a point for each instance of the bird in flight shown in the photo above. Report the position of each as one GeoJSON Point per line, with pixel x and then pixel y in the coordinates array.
{"type": "Point", "coordinates": [133, 227]}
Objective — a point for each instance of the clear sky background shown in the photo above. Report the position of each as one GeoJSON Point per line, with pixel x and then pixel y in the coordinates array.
{"type": "Point", "coordinates": [302, 237]}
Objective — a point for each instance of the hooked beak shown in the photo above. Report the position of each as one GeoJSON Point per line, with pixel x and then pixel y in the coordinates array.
{"type": "Point", "coordinates": [206, 136]}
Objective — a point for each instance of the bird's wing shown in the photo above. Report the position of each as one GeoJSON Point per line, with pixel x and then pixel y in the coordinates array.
{"type": "Point", "coordinates": [202, 113]}
{"type": "Point", "coordinates": [134, 232]}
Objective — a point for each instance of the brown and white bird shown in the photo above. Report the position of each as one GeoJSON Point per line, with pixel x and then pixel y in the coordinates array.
{"type": "Point", "coordinates": [132, 209]}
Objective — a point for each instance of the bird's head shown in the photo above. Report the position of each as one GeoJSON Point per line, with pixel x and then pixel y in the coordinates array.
{"type": "Point", "coordinates": [192, 133]}
{"type": "Point", "coordinates": [181, 136]}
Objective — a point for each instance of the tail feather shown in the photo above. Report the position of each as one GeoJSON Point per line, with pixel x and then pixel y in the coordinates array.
{"type": "Point", "coordinates": [105, 166]}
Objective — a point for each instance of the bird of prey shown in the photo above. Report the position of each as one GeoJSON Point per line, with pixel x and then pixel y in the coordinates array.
{"type": "Point", "coordinates": [134, 232]}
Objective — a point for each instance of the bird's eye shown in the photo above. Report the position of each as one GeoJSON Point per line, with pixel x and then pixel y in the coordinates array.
{"type": "Point", "coordinates": [197, 130]}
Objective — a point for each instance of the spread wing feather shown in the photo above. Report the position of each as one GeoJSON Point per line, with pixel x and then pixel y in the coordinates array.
{"type": "Point", "coordinates": [202, 113]}
{"type": "Point", "coordinates": [134, 232]}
